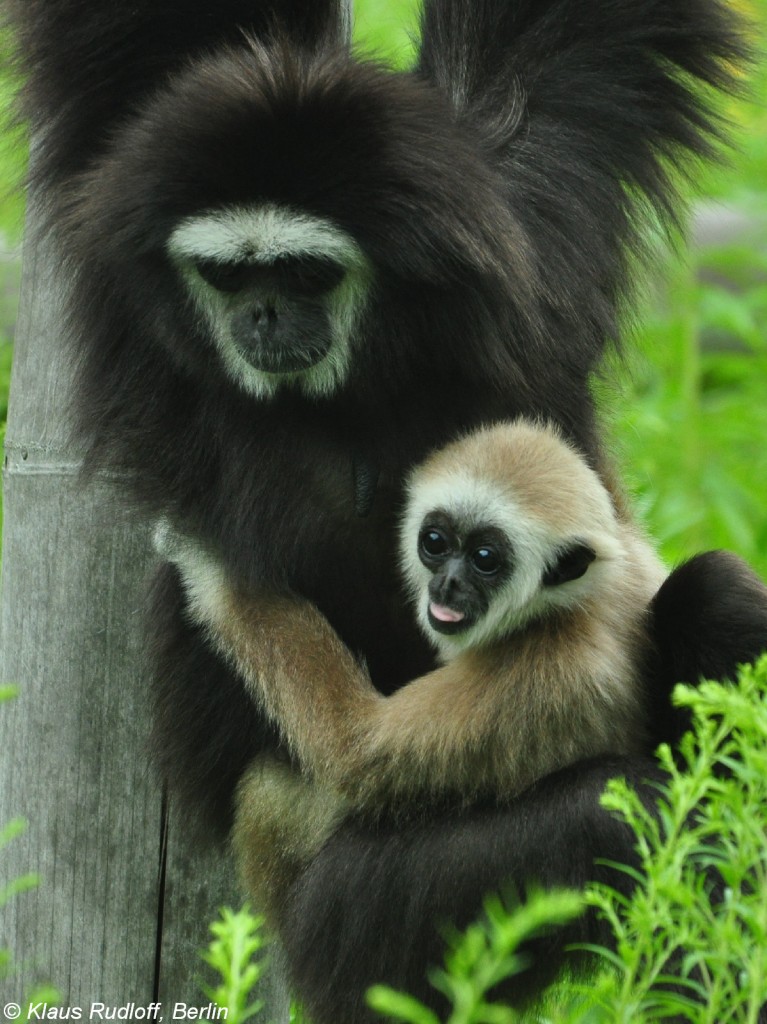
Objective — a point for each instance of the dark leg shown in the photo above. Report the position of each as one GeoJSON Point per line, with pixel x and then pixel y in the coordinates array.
{"type": "Point", "coordinates": [709, 617]}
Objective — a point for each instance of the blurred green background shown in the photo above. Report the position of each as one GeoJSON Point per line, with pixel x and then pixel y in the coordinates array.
{"type": "Point", "coordinates": [686, 411]}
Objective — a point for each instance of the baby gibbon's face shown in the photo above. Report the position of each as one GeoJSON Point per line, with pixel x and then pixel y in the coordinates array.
{"type": "Point", "coordinates": [475, 577]}
{"type": "Point", "coordinates": [502, 527]}
{"type": "Point", "coordinates": [467, 567]}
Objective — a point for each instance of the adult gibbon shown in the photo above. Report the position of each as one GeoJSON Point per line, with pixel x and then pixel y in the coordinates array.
{"type": "Point", "coordinates": [291, 274]}
{"type": "Point", "coordinates": [537, 595]}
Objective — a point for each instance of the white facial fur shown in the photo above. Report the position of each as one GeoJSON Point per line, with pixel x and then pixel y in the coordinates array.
{"type": "Point", "coordinates": [535, 541]}
{"type": "Point", "coordinates": [261, 235]}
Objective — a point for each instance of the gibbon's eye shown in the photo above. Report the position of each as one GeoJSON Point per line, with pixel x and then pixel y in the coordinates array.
{"type": "Point", "coordinates": [224, 277]}
{"type": "Point", "coordinates": [434, 544]}
{"type": "Point", "coordinates": [486, 561]}
{"type": "Point", "coordinates": [308, 275]}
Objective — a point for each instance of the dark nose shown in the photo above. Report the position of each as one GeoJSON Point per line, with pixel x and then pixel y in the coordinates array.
{"type": "Point", "coordinates": [254, 332]}
{"type": "Point", "coordinates": [281, 338]}
{"type": "Point", "coordinates": [447, 585]}
{"type": "Point", "coordinates": [263, 320]}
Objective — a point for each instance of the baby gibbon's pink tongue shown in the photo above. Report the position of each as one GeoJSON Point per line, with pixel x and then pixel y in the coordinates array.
{"type": "Point", "coordinates": [443, 614]}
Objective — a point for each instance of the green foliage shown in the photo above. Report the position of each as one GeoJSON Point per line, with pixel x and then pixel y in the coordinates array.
{"type": "Point", "coordinates": [748, 115]}
{"type": "Point", "coordinates": [231, 953]}
{"type": "Point", "coordinates": [693, 414]}
{"type": "Point", "coordinates": [387, 28]}
{"type": "Point", "coordinates": [13, 150]}
{"type": "Point", "coordinates": [298, 1015]}
{"type": "Point", "coordinates": [6, 353]}
{"type": "Point", "coordinates": [476, 961]}
{"type": "Point", "coordinates": [708, 834]}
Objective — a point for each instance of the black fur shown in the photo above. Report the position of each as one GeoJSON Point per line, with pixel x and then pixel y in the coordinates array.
{"type": "Point", "coordinates": [402, 886]}
{"type": "Point", "coordinates": [495, 190]}
{"type": "Point", "coordinates": [385, 889]}
{"type": "Point", "coordinates": [710, 616]}
{"type": "Point", "coordinates": [90, 65]}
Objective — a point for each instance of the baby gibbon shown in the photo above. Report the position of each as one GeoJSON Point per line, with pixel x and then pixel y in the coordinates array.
{"type": "Point", "coordinates": [534, 590]}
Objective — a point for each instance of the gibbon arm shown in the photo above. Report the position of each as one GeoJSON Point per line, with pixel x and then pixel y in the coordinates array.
{"type": "Point", "coordinates": [339, 727]}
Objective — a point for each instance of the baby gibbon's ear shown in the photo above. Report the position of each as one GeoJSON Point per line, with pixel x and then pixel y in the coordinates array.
{"type": "Point", "coordinates": [572, 563]}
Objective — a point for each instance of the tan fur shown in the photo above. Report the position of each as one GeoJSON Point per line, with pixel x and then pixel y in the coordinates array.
{"type": "Point", "coordinates": [563, 685]}
{"type": "Point", "coordinates": [491, 720]}
{"type": "Point", "coordinates": [282, 821]}
{"type": "Point", "coordinates": [529, 462]}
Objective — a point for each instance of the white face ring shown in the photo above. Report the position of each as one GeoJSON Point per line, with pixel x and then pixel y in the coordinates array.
{"type": "Point", "coordinates": [262, 235]}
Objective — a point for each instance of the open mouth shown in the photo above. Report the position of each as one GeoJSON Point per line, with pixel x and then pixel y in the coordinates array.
{"type": "Point", "coordinates": [447, 620]}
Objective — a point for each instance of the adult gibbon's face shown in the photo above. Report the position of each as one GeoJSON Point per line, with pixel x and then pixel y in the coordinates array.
{"type": "Point", "coordinates": [313, 211]}
{"type": "Point", "coordinates": [280, 292]}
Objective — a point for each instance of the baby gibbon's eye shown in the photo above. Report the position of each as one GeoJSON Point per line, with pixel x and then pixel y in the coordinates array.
{"type": "Point", "coordinates": [434, 544]}
{"type": "Point", "coordinates": [486, 560]}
